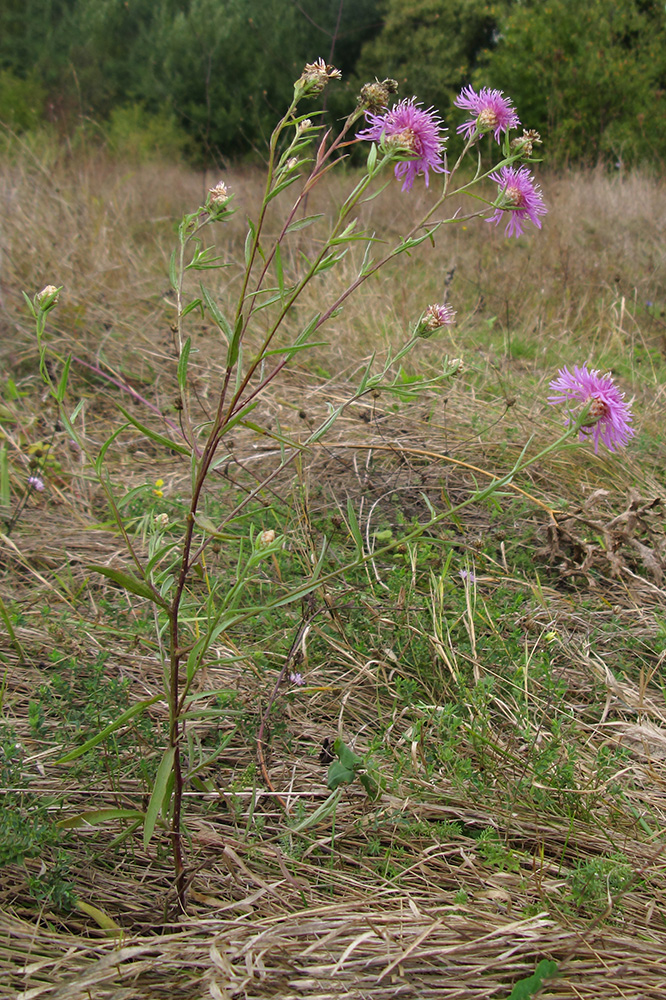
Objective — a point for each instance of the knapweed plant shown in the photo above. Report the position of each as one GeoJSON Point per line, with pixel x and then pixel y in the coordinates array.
{"type": "Point", "coordinates": [403, 141]}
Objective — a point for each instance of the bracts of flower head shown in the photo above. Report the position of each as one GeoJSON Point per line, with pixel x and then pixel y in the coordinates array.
{"type": "Point", "coordinates": [608, 415]}
{"type": "Point", "coordinates": [411, 134]}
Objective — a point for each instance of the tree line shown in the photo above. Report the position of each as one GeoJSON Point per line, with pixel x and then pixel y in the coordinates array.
{"type": "Point", "coordinates": [212, 76]}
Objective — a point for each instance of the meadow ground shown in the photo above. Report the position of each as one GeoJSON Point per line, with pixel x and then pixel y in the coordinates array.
{"type": "Point", "coordinates": [501, 677]}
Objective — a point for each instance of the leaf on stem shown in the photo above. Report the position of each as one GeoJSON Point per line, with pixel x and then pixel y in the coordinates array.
{"type": "Point", "coordinates": [154, 435]}
{"type": "Point", "coordinates": [218, 316]}
{"type": "Point", "coordinates": [160, 789]}
{"type": "Point", "coordinates": [182, 361]}
{"type": "Point", "coordinates": [111, 728]}
{"type": "Point", "coordinates": [294, 227]}
{"type": "Point", "coordinates": [129, 582]}
{"type": "Point", "coordinates": [95, 816]}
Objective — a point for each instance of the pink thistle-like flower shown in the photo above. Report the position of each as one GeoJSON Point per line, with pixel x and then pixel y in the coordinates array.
{"type": "Point", "coordinates": [609, 416]}
{"type": "Point", "coordinates": [435, 317]}
{"type": "Point", "coordinates": [410, 131]}
{"type": "Point", "coordinates": [520, 196]}
{"type": "Point", "coordinates": [491, 112]}
{"type": "Point", "coordinates": [35, 483]}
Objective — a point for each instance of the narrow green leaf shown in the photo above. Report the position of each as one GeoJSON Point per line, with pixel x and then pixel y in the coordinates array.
{"type": "Point", "coordinates": [216, 313]}
{"type": "Point", "coordinates": [124, 717]}
{"type": "Point", "coordinates": [249, 241]}
{"type": "Point", "coordinates": [62, 385]}
{"type": "Point", "coordinates": [128, 581]}
{"type": "Point", "coordinates": [322, 812]}
{"type": "Point", "coordinates": [5, 495]}
{"type": "Point", "coordinates": [329, 261]}
{"type": "Point", "coordinates": [298, 224]}
{"type": "Point", "coordinates": [157, 797]}
{"type": "Point", "coordinates": [288, 352]}
{"type": "Point", "coordinates": [173, 271]}
{"type": "Point", "coordinates": [96, 816]}
{"type": "Point", "coordinates": [273, 435]}
{"type": "Point", "coordinates": [232, 355]}
{"type": "Point", "coordinates": [99, 461]}
{"type": "Point", "coordinates": [278, 270]}
{"type": "Point", "coordinates": [191, 306]}
{"type": "Point", "coordinates": [309, 330]}
{"type": "Point", "coordinates": [281, 186]}
{"type": "Point", "coordinates": [182, 362]}
{"type": "Point", "coordinates": [153, 435]}
{"type": "Point", "coordinates": [345, 235]}
{"type": "Point", "coordinates": [372, 159]}
{"type": "Point", "coordinates": [354, 527]}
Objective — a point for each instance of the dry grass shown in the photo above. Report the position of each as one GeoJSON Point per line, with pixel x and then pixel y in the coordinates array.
{"type": "Point", "coordinates": [393, 899]}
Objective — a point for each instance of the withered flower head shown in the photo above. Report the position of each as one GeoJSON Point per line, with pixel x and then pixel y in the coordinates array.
{"type": "Point", "coordinates": [526, 142]}
{"type": "Point", "coordinates": [314, 78]}
{"type": "Point", "coordinates": [375, 96]}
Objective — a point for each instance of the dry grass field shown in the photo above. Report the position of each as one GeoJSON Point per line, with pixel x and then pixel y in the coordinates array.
{"type": "Point", "coordinates": [502, 676]}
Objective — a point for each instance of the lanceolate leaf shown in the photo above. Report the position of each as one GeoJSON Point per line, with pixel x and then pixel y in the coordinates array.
{"type": "Point", "coordinates": [182, 364]}
{"type": "Point", "coordinates": [129, 582]}
{"type": "Point", "coordinates": [153, 435]}
{"type": "Point", "coordinates": [111, 728]}
{"type": "Point", "coordinates": [96, 816]}
{"type": "Point", "coordinates": [159, 791]}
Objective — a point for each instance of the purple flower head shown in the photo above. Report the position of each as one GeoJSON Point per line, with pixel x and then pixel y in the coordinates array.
{"type": "Point", "coordinates": [435, 316]}
{"type": "Point", "coordinates": [520, 196]}
{"type": "Point", "coordinates": [35, 483]}
{"type": "Point", "coordinates": [491, 112]}
{"type": "Point", "coordinates": [609, 416]}
{"type": "Point", "coordinates": [297, 679]}
{"type": "Point", "coordinates": [409, 131]}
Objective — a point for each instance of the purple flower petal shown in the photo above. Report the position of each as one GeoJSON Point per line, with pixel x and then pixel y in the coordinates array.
{"type": "Point", "coordinates": [609, 415]}
{"type": "Point", "coordinates": [491, 112]}
{"type": "Point", "coordinates": [520, 198]}
{"type": "Point", "coordinates": [419, 132]}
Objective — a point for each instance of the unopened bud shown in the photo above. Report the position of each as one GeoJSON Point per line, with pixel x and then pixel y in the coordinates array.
{"type": "Point", "coordinates": [266, 537]}
{"type": "Point", "coordinates": [161, 520]}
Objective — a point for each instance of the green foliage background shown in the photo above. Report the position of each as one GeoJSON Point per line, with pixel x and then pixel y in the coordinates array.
{"type": "Point", "coordinates": [214, 74]}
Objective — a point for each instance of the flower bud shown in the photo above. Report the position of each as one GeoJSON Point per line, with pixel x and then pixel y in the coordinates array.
{"type": "Point", "coordinates": [267, 537]}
